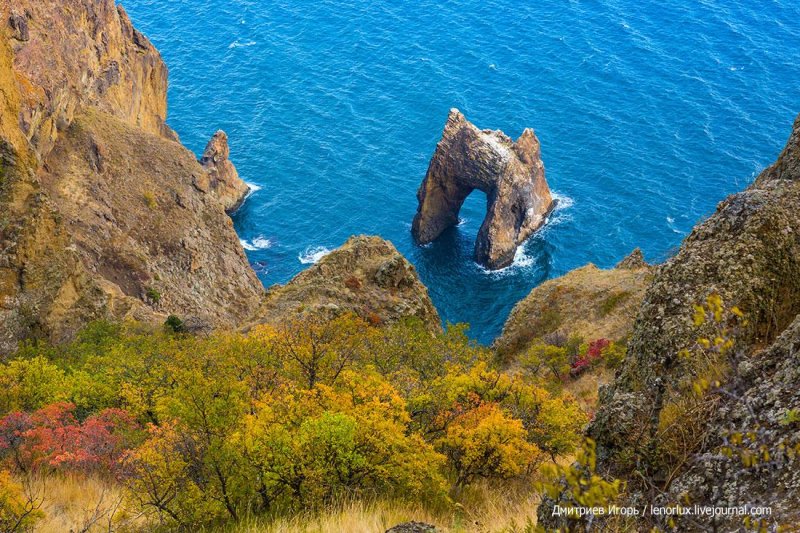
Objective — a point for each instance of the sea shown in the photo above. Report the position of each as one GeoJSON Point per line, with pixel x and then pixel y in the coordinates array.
{"type": "Point", "coordinates": [649, 114]}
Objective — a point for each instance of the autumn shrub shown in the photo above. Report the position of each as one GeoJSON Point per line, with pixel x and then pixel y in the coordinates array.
{"type": "Point", "coordinates": [53, 438]}
{"type": "Point", "coordinates": [485, 442]}
{"type": "Point", "coordinates": [541, 358]}
{"type": "Point", "coordinates": [19, 510]}
{"type": "Point", "coordinates": [578, 485]}
{"type": "Point", "coordinates": [29, 384]}
{"type": "Point", "coordinates": [297, 415]}
{"type": "Point", "coordinates": [311, 447]}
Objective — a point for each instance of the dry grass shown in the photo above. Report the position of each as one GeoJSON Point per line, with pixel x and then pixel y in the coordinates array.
{"type": "Point", "coordinates": [484, 509]}
{"type": "Point", "coordinates": [75, 503]}
{"type": "Point", "coordinates": [80, 504]}
{"type": "Point", "coordinates": [585, 387]}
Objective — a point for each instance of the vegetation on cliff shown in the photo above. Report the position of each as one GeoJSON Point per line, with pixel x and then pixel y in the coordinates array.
{"type": "Point", "coordinates": [289, 418]}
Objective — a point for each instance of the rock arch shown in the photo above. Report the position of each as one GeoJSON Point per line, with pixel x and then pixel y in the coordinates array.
{"type": "Point", "coordinates": [510, 173]}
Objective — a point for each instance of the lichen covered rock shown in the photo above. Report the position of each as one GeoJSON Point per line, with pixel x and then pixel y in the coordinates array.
{"type": "Point", "coordinates": [366, 276]}
{"type": "Point", "coordinates": [748, 252]}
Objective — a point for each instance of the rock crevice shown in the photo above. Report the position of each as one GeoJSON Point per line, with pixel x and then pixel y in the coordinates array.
{"type": "Point", "coordinates": [510, 173]}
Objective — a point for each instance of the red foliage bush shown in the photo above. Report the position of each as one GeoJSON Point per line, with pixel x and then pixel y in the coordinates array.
{"type": "Point", "coordinates": [54, 437]}
{"type": "Point", "coordinates": [596, 348]}
{"type": "Point", "coordinates": [594, 353]}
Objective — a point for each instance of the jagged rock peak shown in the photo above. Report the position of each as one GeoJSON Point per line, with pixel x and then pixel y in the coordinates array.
{"type": "Point", "coordinates": [787, 167]}
{"type": "Point", "coordinates": [223, 179]}
{"type": "Point", "coordinates": [510, 173]}
{"type": "Point", "coordinates": [633, 261]}
{"type": "Point", "coordinates": [73, 54]}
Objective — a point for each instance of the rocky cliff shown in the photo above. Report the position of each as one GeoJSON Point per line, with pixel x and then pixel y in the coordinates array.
{"type": "Point", "coordinates": [510, 173]}
{"type": "Point", "coordinates": [651, 430]}
{"type": "Point", "coordinates": [366, 276]}
{"type": "Point", "coordinates": [588, 302]}
{"type": "Point", "coordinates": [104, 213]}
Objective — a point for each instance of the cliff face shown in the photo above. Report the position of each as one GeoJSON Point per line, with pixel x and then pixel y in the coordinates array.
{"type": "Point", "coordinates": [83, 53]}
{"type": "Point", "coordinates": [104, 213]}
{"type": "Point", "coordinates": [366, 276]}
{"type": "Point", "coordinates": [749, 253]}
{"type": "Point", "coordinates": [510, 173]}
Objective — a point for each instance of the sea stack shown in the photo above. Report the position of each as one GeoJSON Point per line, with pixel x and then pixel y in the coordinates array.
{"type": "Point", "coordinates": [510, 173]}
{"type": "Point", "coordinates": [224, 179]}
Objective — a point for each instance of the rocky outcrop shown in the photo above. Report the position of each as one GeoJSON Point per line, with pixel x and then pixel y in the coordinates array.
{"type": "Point", "coordinates": [749, 253]}
{"type": "Point", "coordinates": [366, 276]}
{"type": "Point", "coordinates": [510, 173]}
{"type": "Point", "coordinates": [222, 178]}
{"type": "Point", "coordinates": [634, 260]}
{"type": "Point", "coordinates": [588, 302]}
{"type": "Point", "coordinates": [149, 234]}
{"type": "Point", "coordinates": [769, 392]}
{"type": "Point", "coordinates": [99, 213]}
{"type": "Point", "coordinates": [787, 167]}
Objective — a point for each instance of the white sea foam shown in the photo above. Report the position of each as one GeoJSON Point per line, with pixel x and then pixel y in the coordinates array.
{"type": "Point", "coordinates": [521, 261]}
{"type": "Point", "coordinates": [562, 201]}
{"type": "Point", "coordinates": [312, 255]}
{"type": "Point", "coordinates": [237, 44]}
{"type": "Point", "coordinates": [521, 258]}
{"type": "Point", "coordinates": [253, 188]}
{"type": "Point", "coordinates": [259, 243]}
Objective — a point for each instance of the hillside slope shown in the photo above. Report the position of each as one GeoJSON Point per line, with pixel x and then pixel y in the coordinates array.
{"type": "Point", "coordinates": [651, 429]}
{"type": "Point", "coordinates": [105, 214]}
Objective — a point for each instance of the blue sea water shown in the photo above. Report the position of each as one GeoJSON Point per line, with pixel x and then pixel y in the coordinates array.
{"type": "Point", "coordinates": [649, 113]}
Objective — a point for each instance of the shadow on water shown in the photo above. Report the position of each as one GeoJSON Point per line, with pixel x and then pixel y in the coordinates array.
{"type": "Point", "coordinates": [478, 296]}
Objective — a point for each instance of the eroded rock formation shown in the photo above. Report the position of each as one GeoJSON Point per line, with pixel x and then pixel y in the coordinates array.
{"type": "Point", "coordinates": [510, 173]}
{"type": "Point", "coordinates": [222, 178]}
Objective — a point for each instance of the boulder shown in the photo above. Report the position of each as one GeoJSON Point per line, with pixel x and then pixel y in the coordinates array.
{"type": "Point", "coordinates": [412, 527]}
{"type": "Point", "coordinates": [510, 173]}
